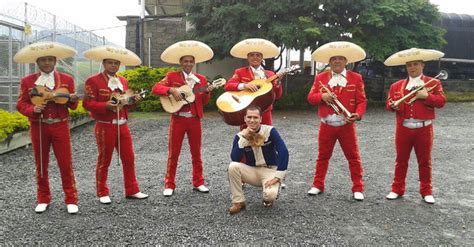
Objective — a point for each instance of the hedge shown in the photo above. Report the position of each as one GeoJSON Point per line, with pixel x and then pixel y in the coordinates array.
{"type": "Point", "coordinates": [144, 78]}
{"type": "Point", "coordinates": [12, 122]}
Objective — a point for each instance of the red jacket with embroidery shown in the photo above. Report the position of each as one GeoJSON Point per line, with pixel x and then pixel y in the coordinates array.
{"type": "Point", "coordinates": [176, 79]}
{"type": "Point", "coordinates": [420, 109]}
{"type": "Point", "coordinates": [352, 96]}
{"type": "Point", "coordinates": [52, 110]}
{"type": "Point", "coordinates": [245, 75]}
{"type": "Point", "coordinates": [97, 93]}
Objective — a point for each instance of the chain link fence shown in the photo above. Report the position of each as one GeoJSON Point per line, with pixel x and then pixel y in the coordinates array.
{"type": "Point", "coordinates": [22, 24]}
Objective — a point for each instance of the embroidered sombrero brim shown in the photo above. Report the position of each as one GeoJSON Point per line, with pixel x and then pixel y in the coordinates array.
{"type": "Point", "coordinates": [352, 52]}
{"type": "Point", "coordinates": [244, 47]}
{"type": "Point", "coordinates": [200, 51]}
{"type": "Point", "coordinates": [30, 53]}
{"type": "Point", "coordinates": [125, 56]}
{"type": "Point", "coordinates": [413, 54]}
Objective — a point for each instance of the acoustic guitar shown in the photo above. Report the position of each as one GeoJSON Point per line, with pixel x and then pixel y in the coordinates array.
{"type": "Point", "coordinates": [233, 104]}
{"type": "Point", "coordinates": [171, 105]}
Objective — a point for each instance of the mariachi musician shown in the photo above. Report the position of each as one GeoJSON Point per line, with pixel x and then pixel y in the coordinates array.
{"type": "Point", "coordinates": [415, 116]}
{"type": "Point", "coordinates": [254, 50]}
{"type": "Point", "coordinates": [187, 120]}
{"type": "Point", "coordinates": [49, 121]}
{"type": "Point", "coordinates": [340, 97]}
{"type": "Point", "coordinates": [111, 129]}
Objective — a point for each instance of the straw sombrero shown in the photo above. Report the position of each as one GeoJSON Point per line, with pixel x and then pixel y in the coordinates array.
{"type": "Point", "coordinates": [200, 51]}
{"type": "Point", "coordinates": [352, 52]}
{"type": "Point", "coordinates": [244, 47]}
{"type": "Point", "coordinates": [30, 53]}
{"type": "Point", "coordinates": [413, 54]}
{"type": "Point", "coordinates": [125, 56]}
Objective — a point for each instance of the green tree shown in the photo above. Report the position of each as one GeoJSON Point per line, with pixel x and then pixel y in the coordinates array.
{"type": "Point", "coordinates": [382, 27]}
{"type": "Point", "coordinates": [389, 26]}
{"type": "Point", "coordinates": [222, 24]}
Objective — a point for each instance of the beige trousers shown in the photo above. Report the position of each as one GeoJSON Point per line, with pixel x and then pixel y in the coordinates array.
{"type": "Point", "coordinates": [255, 176]}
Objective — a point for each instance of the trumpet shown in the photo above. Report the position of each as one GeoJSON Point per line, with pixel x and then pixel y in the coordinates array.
{"type": "Point", "coordinates": [337, 106]}
{"type": "Point", "coordinates": [441, 75]}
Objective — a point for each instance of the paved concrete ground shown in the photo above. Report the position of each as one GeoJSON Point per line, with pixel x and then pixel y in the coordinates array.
{"type": "Point", "coordinates": [192, 218]}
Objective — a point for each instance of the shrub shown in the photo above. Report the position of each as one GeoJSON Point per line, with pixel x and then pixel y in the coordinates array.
{"type": "Point", "coordinates": [295, 100]}
{"type": "Point", "coordinates": [11, 122]}
{"type": "Point", "coordinates": [144, 78]}
{"type": "Point", "coordinates": [79, 112]}
{"type": "Point", "coordinates": [460, 96]}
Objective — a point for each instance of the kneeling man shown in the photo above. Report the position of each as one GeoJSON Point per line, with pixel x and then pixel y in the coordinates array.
{"type": "Point", "coordinates": [259, 158]}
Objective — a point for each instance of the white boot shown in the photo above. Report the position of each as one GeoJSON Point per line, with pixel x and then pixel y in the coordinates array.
{"type": "Point", "coordinates": [168, 192]}
{"type": "Point", "coordinates": [41, 207]}
{"type": "Point", "coordinates": [358, 196]}
{"type": "Point", "coordinates": [105, 200]}
{"type": "Point", "coordinates": [72, 208]}
{"type": "Point", "coordinates": [202, 189]}
{"type": "Point", "coordinates": [429, 199]}
{"type": "Point", "coordinates": [314, 191]}
{"type": "Point", "coordinates": [392, 196]}
{"type": "Point", "coordinates": [138, 195]}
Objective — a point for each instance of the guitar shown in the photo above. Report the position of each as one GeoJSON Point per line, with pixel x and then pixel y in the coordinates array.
{"type": "Point", "coordinates": [170, 105]}
{"type": "Point", "coordinates": [232, 104]}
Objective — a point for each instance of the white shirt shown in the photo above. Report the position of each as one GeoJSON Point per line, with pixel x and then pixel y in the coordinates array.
{"type": "Point", "coordinates": [46, 80]}
{"type": "Point", "coordinates": [338, 79]}
{"type": "Point", "coordinates": [114, 83]}
{"type": "Point", "coordinates": [258, 73]}
{"type": "Point", "coordinates": [414, 82]}
{"type": "Point", "coordinates": [191, 79]}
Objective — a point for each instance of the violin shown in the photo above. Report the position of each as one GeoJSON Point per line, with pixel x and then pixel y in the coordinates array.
{"type": "Point", "coordinates": [127, 98]}
{"type": "Point", "coordinates": [41, 95]}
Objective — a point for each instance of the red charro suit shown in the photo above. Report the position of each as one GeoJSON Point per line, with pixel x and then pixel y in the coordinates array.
{"type": "Point", "coordinates": [245, 75]}
{"type": "Point", "coordinates": [352, 96]}
{"type": "Point", "coordinates": [184, 125]}
{"type": "Point", "coordinates": [55, 134]}
{"type": "Point", "coordinates": [420, 139]}
{"type": "Point", "coordinates": [97, 94]}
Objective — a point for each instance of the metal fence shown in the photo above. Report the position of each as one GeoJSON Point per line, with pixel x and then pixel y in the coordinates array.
{"type": "Point", "coordinates": [22, 24]}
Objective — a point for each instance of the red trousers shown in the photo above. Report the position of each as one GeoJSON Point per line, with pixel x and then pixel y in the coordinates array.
{"type": "Point", "coordinates": [422, 141]}
{"type": "Point", "coordinates": [346, 135]}
{"type": "Point", "coordinates": [107, 141]}
{"type": "Point", "coordinates": [58, 136]}
{"type": "Point", "coordinates": [266, 119]}
{"type": "Point", "coordinates": [178, 127]}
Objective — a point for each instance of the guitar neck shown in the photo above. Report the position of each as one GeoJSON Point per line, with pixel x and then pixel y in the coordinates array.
{"type": "Point", "coordinates": [273, 77]}
{"type": "Point", "coordinates": [200, 89]}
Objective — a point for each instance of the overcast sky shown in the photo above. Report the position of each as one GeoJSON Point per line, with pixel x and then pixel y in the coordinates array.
{"type": "Point", "coordinates": [100, 14]}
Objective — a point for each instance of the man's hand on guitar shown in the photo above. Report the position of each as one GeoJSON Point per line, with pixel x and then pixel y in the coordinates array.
{"type": "Point", "coordinates": [210, 88]}
{"type": "Point", "coordinates": [328, 98]}
{"type": "Point", "coordinates": [251, 87]}
{"type": "Point", "coordinates": [137, 98]}
{"type": "Point", "coordinates": [176, 94]}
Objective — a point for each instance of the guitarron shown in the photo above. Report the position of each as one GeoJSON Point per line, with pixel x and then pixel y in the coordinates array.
{"type": "Point", "coordinates": [233, 104]}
